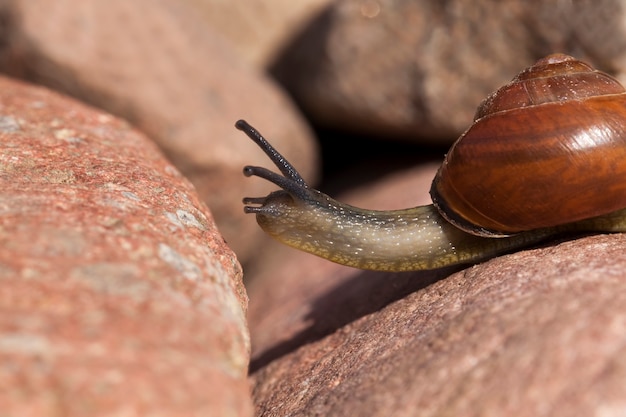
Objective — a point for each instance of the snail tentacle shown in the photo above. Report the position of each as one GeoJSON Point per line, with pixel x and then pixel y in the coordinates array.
{"type": "Point", "coordinates": [295, 189]}
{"type": "Point", "coordinates": [287, 184]}
{"type": "Point", "coordinates": [281, 163]}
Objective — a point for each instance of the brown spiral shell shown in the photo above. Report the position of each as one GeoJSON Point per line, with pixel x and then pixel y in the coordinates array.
{"type": "Point", "coordinates": [548, 148]}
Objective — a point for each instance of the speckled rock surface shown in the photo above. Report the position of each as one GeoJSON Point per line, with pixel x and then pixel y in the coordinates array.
{"type": "Point", "coordinates": [419, 69]}
{"type": "Point", "coordinates": [119, 296]}
{"type": "Point", "coordinates": [539, 332]}
{"type": "Point", "coordinates": [157, 64]}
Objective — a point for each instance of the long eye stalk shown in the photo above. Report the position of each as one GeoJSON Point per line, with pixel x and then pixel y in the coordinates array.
{"type": "Point", "coordinates": [291, 181]}
{"type": "Point", "coordinates": [283, 165]}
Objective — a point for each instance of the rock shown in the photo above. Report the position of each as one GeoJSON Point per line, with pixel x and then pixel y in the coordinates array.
{"type": "Point", "coordinates": [258, 29]}
{"type": "Point", "coordinates": [119, 295]}
{"type": "Point", "coordinates": [158, 65]}
{"type": "Point", "coordinates": [418, 69]}
{"type": "Point", "coordinates": [538, 332]}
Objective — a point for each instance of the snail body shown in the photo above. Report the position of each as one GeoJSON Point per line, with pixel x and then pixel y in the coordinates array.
{"type": "Point", "coordinates": [546, 155]}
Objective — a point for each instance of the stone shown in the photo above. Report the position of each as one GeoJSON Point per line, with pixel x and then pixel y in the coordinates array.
{"type": "Point", "coordinates": [258, 29]}
{"type": "Point", "coordinates": [539, 332]}
{"type": "Point", "coordinates": [118, 293]}
{"type": "Point", "coordinates": [417, 70]}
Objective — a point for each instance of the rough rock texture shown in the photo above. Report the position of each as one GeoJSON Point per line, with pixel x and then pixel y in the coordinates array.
{"type": "Point", "coordinates": [539, 332]}
{"type": "Point", "coordinates": [258, 29]}
{"type": "Point", "coordinates": [419, 69]}
{"type": "Point", "coordinates": [157, 64]}
{"type": "Point", "coordinates": [119, 296]}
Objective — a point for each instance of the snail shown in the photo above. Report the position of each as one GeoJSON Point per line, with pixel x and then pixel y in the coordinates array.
{"type": "Point", "coordinates": [544, 156]}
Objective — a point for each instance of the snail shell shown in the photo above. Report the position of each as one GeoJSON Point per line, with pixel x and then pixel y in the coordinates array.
{"type": "Point", "coordinates": [547, 149]}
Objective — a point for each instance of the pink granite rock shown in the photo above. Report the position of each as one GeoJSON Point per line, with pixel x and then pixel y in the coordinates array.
{"type": "Point", "coordinates": [539, 332]}
{"type": "Point", "coordinates": [157, 64]}
{"type": "Point", "coordinates": [118, 294]}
